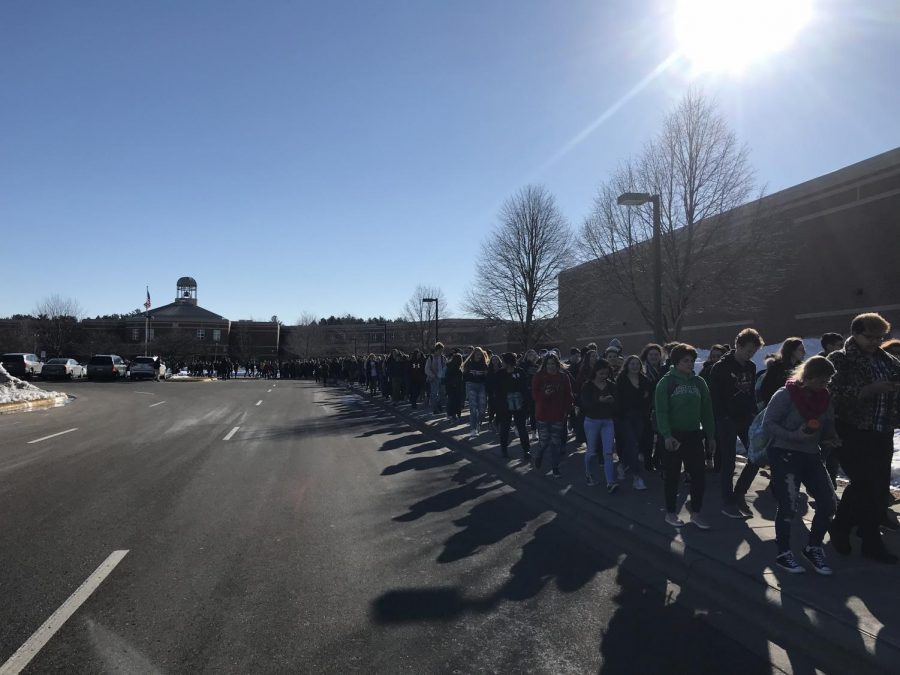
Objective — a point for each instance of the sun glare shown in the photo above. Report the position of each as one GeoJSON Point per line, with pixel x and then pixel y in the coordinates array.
{"type": "Point", "coordinates": [729, 35]}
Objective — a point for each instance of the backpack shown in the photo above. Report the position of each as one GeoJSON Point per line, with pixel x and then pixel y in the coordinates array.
{"type": "Point", "coordinates": [757, 389]}
{"type": "Point", "coordinates": [758, 452]}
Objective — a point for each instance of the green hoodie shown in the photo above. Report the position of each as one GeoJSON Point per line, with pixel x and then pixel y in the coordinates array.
{"type": "Point", "coordinates": [683, 403]}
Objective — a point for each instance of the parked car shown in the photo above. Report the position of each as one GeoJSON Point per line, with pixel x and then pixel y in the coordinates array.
{"type": "Point", "coordinates": [21, 364]}
{"type": "Point", "coordinates": [62, 368]}
{"type": "Point", "coordinates": [107, 366]}
{"type": "Point", "coordinates": [148, 367]}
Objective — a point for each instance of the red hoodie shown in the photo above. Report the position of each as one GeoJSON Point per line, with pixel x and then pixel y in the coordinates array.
{"type": "Point", "coordinates": [552, 396]}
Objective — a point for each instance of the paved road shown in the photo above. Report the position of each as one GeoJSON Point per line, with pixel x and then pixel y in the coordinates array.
{"type": "Point", "coordinates": [322, 536]}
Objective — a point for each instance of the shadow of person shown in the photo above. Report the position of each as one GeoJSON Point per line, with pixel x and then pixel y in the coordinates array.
{"type": "Point", "coordinates": [650, 633]}
{"type": "Point", "coordinates": [449, 499]}
{"type": "Point", "coordinates": [422, 463]}
{"type": "Point", "coordinates": [486, 523]}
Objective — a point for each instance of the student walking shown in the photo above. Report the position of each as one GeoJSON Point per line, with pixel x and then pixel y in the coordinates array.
{"type": "Point", "coordinates": [634, 394]}
{"type": "Point", "coordinates": [734, 403]}
{"type": "Point", "coordinates": [416, 377]}
{"type": "Point", "coordinates": [652, 360]}
{"type": "Point", "coordinates": [475, 371]}
{"type": "Point", "coordinates": [865, 389]}
{"type": "Point", "coordinates": [778, 367]}
{"type": "Point", "coordinates": [510, 401]}
{"type": "Point", "coordinates": [598, 402]}
{"type": "Point", "coordinates": [453, 383]}
{"type": "Point", "coordinates": [798, 418]}
{"type": "Point", "coordinates": [684, 416]}
{"type": "Point", "coordinates": [435, 373]}
{"type": "Point", "coordinates": [552, 394]}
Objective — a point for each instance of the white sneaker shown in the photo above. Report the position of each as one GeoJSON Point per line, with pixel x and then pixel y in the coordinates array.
{"type": "Point", "coordinates": [673, 520]}
{"type": "Point", "coordinates": [638, 483]}
{"type": "Point", "coordinates": [473, 435]}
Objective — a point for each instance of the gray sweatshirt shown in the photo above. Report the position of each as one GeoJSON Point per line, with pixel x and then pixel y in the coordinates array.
{"type": "Point", "coordinates": [784, 425]}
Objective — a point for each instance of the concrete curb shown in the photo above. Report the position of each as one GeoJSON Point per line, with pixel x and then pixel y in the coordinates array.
{"type": "Point", "coordinates": [831, 642]}
{"type": "Point", "coordinates": [24, 406]}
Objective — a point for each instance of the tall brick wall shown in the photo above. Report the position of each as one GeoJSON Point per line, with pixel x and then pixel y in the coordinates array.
{"type": "Point", "coordinates": [838, 254]}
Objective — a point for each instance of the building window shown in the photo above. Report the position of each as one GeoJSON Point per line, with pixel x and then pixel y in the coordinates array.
{"type": "Point", "coordinates": [201, 333]}
{"type": "Point", "coordinates": [217, 335]}
{"type": "Point", "coordinates": [135, 334]}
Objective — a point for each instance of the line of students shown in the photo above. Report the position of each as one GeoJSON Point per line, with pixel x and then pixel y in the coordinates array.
{"type": "Point", "coordinates": [839, 407]}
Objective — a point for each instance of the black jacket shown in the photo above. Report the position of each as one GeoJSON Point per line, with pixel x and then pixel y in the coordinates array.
{"type": "Point", "coordinates": [508, 385]}
{"type": "Point", "coordinates": [592, 407]}
{"type": "Point", "coordinates": [732, 388]}
{"type": "Point", "coordinates": [634, 399]}
{"type": "Point", "coordinates": [773, 379]}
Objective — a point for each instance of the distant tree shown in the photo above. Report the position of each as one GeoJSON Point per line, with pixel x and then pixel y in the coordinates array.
{"type": "Point", "coordinates": [307, 337]}
{"type": "Point", "coordinates": [517, 271]}
{"type": "Point", "coordinates": [421, 314]}
{"type": "Point", "coordinates": [56, 323]}
{"type": "Point", "coordinates": [701, 173]}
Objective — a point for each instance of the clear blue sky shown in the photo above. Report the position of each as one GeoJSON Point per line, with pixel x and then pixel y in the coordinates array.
{"type": "Point", "coordinates": [329, 156]}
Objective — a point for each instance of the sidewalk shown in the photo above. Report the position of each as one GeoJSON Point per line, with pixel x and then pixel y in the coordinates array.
{"type": "Point", "coordinates": [852, 619]}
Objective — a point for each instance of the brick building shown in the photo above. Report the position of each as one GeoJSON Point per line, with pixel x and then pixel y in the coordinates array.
{"type": "Point", "coordinates": [838, 241]}
{"type": "Point", "coordinates": [183, 331]}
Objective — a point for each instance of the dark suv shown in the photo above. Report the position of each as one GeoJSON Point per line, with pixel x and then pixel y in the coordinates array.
{"type": "Point", "coordinates": [22, 365]}
{"type": "Point", "coordinates": [107, 366]}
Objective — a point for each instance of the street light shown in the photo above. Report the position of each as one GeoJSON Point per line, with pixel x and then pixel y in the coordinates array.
{"type": "Point", "coordinates": [638, 199]}
{"type": "Point", "coordinates": [436, 306]}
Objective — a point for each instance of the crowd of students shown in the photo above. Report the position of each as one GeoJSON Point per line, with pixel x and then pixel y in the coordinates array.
{"type": "Point", "coordinates": [650, 412]}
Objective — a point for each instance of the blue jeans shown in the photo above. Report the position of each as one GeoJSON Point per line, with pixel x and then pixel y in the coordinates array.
{"type": "Point", "coordinates": [600, 433]}
{"type": "Point", "coordinates": [550, 438]}
{"type": "Point", "coordinates": [789, 469]}
{"type": "Point", "coordinates": [438, 394]}
{"type": "Point", "coordinates": [632, 427]}
{"type": "Point", "coordinates": [476, 395]}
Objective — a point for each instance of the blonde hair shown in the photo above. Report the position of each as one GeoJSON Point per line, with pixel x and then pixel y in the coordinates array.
{"type": "Point", "coordinates": [484, 358]}
{"type": "Point", "coordinates": [812, 369]}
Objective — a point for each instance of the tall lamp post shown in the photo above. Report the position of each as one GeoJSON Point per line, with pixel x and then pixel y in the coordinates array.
{"type": "Point", "coordinates": [436, 309]}
{"type": "Point", "coordinates": [638, 199]}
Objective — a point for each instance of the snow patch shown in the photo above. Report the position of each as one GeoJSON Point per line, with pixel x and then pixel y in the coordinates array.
{"type": "Point", "coordinates": [14, 390]}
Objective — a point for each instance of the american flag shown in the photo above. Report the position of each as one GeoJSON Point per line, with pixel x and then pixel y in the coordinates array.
{"type": "Point", "coordinates": [147, 301]}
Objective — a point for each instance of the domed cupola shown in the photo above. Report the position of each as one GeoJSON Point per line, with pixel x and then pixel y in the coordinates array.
{"type": "Point", "coordinates": [187, 291]}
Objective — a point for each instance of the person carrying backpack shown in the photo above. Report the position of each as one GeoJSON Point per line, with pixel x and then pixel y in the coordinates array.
{"type": "Point", "coordinates": [734, 402]}
{"type": "Point", "coordinates": [684, 416]}
{"type": "Point", "coordinates": [798, 418]}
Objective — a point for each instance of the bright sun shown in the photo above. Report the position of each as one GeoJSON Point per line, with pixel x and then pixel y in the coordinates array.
{"type": "Point", "coordinates": [729, 35]}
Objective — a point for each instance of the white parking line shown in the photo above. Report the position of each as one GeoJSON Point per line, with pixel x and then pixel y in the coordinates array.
{"type": "Point", "coordinates": [230, 434]}
{"type": "Point", "coordinates": [44, 438]}
{"type": "Point", "coordinates": [18, 661]}
{"type": "Point", "coordinates": [153, 405]}
{"type": "Point", "coordinates": [259, 402]}
{"type": "Point", "coordinates": [148, 393]}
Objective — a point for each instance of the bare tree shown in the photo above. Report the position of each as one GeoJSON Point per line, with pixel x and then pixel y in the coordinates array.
{"type": "Point", "coordinates": [702, 174]}
{"type": "Point", "coordinates": [519, 265]}
{"type": "Point", "coordinates": [306, 338]}
{"type": "Point", "coordinates": [56, 322]}
{"type": "Point", "coordinates": [422, 314]}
